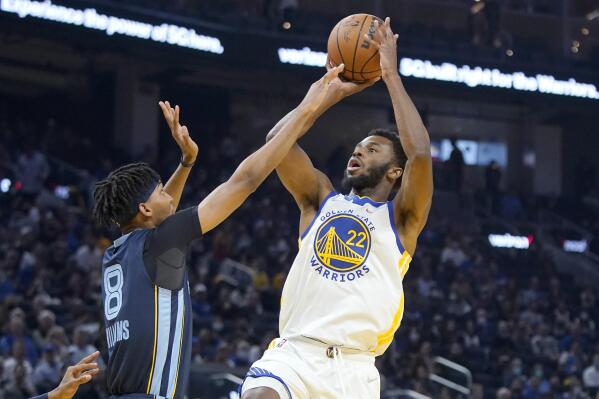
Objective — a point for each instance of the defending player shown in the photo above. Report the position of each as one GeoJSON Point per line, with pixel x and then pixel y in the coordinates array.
{"type": "Point", "coordinates": [343, 299]}
{"type": "Point", "coordinates": [145, 289]}
{"type": "Point", "coordinates": [74, 376]}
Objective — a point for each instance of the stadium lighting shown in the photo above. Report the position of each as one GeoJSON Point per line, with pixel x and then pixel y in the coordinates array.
{"type": "Point", "coordinates": [575, 245]}
{"type": "Point", "coordinates": [286, 25]}
{"type": "Point", "coordinates": [509, 241]}
{"type": "Point", "coordinates": [585, 31]}
{"type": "Point", "coordinates": [509, 52]}
{"type": "Point", "coordinates": [91, 19]}
{"type": "Point", "coordinates": [5, 185]}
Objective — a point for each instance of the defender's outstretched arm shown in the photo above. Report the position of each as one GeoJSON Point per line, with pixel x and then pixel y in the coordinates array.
{"type": "Point", "coordinates": [227, 197]}
{"type": "Point", "coordinates": [189, 151]}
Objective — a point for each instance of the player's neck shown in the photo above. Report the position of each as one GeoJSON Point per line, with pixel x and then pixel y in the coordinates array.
{"type": "Point", "coordinates": [377, 193]}
{"type": "Point", "coordinates": [148, 224]}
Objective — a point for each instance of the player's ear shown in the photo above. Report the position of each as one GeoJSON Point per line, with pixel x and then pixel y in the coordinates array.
{"type": "Point", "coordinates": [144, 209]}
{"type": "Point", "coordinates": [394, 172]}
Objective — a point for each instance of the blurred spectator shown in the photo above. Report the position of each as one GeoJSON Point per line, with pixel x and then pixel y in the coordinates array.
{"type": "Point", "coordinates": [17, 372]}
{"type": "Point", "coordinates": [453, 253]}
{"type": "Point", "coordinates": [455, 166]}
{"type": "Point", "coordinates": [48, 371]}
{"type": "Point", "coordinates": [590, 376]}
{"type": "Point", "coordinates": [46, 320]}
{"type": "Point", "coordinates": [89, 255]}
{"type": "Point", "coordinates": [492, 181]}
{"type": "Point", "coordinates": [16, 333]}
{"type": "Point", "coordinates": [81, 348]}
{"type": "Point", "coordinates": [504, 393]}
{"type": "Point", "coordinates": [32, 170]}
{"type": "Point", "coordinates": [18, 383]}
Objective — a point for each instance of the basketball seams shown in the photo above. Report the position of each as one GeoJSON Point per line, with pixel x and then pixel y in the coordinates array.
{"type": "Point", "coordinates": [356, 47]}
{"type": "Point", "coordinates": [338, 46]}
{"type": "Point", "coordinates": [366, 63]}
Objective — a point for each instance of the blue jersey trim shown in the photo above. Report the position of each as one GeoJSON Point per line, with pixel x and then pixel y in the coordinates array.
{"type": "Point", "coordinates": [356, 199]}
{"type": "Point", "coordinates": [393, 227]}
{"type": "Point", "coordinates": [256, 372]}
{"type": "Point", "coordinates": [324, 201]}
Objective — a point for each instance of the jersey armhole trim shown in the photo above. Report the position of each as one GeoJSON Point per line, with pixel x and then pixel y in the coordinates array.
{"type": "Point", "coordinates": [261, 373]}
{"type": "Point", "coordinates": [324, 201]}
{"type": "Point", "coordinates": [393, 227]}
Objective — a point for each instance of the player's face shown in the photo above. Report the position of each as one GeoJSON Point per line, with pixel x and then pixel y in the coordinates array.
{"type": "Point", "coordinates": [161, 204]}
{"type": "Point", "coordinates": [369, 162]}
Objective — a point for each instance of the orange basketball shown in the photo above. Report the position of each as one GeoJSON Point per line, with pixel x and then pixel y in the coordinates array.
{"type": "Point", "coordinates": [348, 45]}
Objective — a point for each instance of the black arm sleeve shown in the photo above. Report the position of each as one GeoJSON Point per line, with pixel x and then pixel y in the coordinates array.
{"type": "Point", "coordinates": [44, 396]}
{"type": "Point", "coordinates": [165, 248]}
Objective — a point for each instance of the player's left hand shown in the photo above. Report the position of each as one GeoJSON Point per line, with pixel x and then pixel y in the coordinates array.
{"type": "Point", "coordinates": [386, 42]}
{"type": "Point", "coordinates": [189, 149]}
{"type": "Point", "coordinates": [81, 373]}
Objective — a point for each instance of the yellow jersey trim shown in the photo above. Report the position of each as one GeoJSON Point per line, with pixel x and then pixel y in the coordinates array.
{"type": "Point", "coordinates": [386, 337]}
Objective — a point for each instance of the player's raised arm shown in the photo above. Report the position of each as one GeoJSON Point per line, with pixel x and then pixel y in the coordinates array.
{"type": "Point", "coordinates": [227, 197]}
{"type": "Point", "coordinates": [308, 185]}
{"type": "Point", "coordinates": [413, 202]}
{"type": "Point", "coordinates": [189, 151]}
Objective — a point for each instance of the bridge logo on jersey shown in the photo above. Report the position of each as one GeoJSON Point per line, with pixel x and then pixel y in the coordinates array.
{"type": "Point", "coordinates": [342, 243]}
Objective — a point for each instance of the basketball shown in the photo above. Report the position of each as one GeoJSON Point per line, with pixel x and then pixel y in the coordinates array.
{"type": "Point", "coordinates": [348, 45]}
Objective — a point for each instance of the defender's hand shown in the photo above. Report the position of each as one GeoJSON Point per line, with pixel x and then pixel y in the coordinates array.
{"type": "Point", "coordinates": [81, 373]}
{"type": "Point", "coordinates": [346, 87]}
{"type": "Point", "coordinates": [386, 42]}
{"type": "Point", "coordinates": [189, 149]}
{"type": "Point", "coordinates": [330, 89]}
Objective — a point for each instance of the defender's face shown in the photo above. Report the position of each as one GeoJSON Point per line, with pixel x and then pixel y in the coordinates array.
{"type": "Point", "coordinates": [369, 162]}
{"type": "Point", "coordinates": [161, 204]}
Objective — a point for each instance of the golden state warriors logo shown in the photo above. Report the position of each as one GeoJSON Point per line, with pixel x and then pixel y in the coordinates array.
{"type": "Point", "coordinates": [342, 243]}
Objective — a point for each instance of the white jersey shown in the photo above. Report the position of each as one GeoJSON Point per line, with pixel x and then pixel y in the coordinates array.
{"type": "Point", "coordinates": [345, 285]}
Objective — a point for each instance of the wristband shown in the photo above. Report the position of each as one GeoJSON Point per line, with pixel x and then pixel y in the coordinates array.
{"type": "Point", "coordinates": [186, 165]}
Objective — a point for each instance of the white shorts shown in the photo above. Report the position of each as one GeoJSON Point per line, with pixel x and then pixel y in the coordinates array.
{"type": "Point", "coordinates": [304, 369]}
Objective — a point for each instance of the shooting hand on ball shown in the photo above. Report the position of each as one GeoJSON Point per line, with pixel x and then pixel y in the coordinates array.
{"type": "Point", "coordinates": [189, 149]}
{"type": "Point", "coordinates": [330, 89]}
{"type": "Point", "coordinates": [386, 42]}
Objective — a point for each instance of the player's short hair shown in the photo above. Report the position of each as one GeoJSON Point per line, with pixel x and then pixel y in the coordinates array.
{"type": "Point", "coordinates": [400, 157]}
{"type": "Point", "coordinates": [118, 196]}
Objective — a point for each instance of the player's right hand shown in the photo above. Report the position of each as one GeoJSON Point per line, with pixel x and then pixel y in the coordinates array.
{"type": "Point", "coordinates": [188, 147]}
{"type": "Point", "coordinates": [330, 89]}
{"type": "Point", "coordinates": [345, 86]}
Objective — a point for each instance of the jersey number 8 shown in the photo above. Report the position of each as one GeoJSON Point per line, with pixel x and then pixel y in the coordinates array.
{"type": "Point", "coordinates": [113, 285]}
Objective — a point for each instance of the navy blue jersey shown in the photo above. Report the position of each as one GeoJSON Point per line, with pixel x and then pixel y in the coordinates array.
{"type": "Point", "coordinates": [147, 309]}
